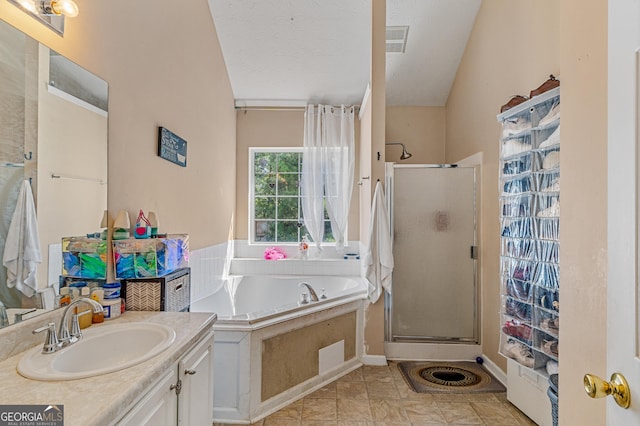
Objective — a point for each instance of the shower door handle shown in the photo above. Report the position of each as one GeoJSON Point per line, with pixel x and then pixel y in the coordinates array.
{"type": "Point", "coordinates": [474, 252]}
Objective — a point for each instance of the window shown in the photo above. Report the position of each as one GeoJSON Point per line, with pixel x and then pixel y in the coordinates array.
{"type": "Point", "coordinates": [274, 197]}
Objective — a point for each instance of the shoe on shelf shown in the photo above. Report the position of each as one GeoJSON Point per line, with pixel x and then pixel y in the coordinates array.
{"type": "Point", "coordinates": [552, 367]}
{"type": "Point", "coordinates": [519, 352]}
{"type": "Point", "coordinates": [550, 347]}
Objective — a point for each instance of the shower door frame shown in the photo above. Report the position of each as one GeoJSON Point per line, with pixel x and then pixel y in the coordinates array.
{"type": "Point", "coordinates": [388, 297]}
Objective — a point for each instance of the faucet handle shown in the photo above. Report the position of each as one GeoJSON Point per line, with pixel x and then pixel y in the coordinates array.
{"type": "Point", "coordinates": [51, 342]}
{"type": "Point", "coordinates": [76, 332]}
{"type": "Point", "coordinates": [18, 315]}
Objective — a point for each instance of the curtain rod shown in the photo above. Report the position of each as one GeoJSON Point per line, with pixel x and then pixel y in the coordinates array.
{"type": "Point", "coordinates": [288, 108]}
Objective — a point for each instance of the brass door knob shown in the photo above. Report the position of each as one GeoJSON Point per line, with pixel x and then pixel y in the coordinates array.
{"type": "Point", "coordinates": [595, 387]}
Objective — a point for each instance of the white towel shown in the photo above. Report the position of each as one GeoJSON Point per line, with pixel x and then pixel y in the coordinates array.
{"type": "Point", "coordinates": [22, 247]}
{"type": "Point", "coordinates": [378, 256]}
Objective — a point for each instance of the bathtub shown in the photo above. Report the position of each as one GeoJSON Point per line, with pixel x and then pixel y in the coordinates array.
{"type": "Point", "coordinates": [270, 349]}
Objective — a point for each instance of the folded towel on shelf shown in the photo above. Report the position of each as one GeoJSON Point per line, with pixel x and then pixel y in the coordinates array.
{"type": "Point", "coordinates": [22, 247]}
{"type": "Point", "coordinates": [378, 256]}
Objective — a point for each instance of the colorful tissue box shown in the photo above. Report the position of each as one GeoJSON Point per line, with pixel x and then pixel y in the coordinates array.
{"type": "Point", "coordinates": [153, 257]}
{"type": "Point", "coordinates": [84, 257]}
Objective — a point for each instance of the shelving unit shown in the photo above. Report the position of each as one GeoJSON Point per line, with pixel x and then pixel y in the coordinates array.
{"type": "Point", "coordinates": [529, 218]}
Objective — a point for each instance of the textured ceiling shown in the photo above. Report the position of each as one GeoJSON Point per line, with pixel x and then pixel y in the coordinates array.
{"type": "Point", "coordinates": [318, 51]}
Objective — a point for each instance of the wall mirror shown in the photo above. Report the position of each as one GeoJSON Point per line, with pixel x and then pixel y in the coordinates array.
{"type": "Point", "coordinates": [53, 133]}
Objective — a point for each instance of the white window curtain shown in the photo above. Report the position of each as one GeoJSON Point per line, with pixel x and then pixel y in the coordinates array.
{"type": "Point", "coordinates": [312, 190]}
{"type": "Point", "coordinates": [328, 163]}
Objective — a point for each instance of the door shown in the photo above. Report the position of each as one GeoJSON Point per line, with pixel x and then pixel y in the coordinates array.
{"type": "Point", "coordinates": [195, 403]}
{"type": "Point", "coordinates": [158, 407]}
{"type": "Point", "coordinates": [434, 296]}
{"type": "Point", "coordinates": [623, 338]}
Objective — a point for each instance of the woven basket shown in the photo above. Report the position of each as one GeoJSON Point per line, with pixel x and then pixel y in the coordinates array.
{"type": "Point", "coordinates": [170, 293]}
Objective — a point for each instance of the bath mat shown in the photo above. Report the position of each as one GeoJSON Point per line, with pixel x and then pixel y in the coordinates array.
{"type": "Point", "coordinates": [454, 377]}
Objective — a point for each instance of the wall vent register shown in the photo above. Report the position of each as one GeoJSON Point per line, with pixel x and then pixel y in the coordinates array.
{"type": "Point", "coordinates": [529, 218]}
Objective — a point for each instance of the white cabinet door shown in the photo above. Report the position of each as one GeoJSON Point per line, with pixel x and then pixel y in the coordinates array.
{"type": "Point", "coordinates": [158, 407]}
{"type": "Point", "coordinates": [195, 403]}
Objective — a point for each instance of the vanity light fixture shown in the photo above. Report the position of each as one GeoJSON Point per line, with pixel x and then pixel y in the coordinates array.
{"type": "Point", "coordinates": [49, 12]}
{"type": "Point", "coordinates": [67, 8]}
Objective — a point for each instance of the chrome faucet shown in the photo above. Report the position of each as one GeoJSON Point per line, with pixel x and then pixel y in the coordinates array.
{"type": "Point", "coordinates": [312, 292]}
{"type": "Point", "coordinates": [67, 337]}
{"type": "Point", "coordinates": [19, 315]}
{"type": "Point", "coordinates": [64, 337]}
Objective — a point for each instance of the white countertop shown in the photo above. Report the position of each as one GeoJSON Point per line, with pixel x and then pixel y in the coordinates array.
{"type": "Point", "coordinates": [101, 399]}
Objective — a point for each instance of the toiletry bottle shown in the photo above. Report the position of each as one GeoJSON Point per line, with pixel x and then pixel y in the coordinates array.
{"type": "Point", "coordinates": [303, 248]}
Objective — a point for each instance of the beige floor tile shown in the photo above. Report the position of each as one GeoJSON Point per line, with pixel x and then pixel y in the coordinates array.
{"type": "Point", "coordinates": [292, 411]}
{"type": "Point", "coordinates": [423, 412]}
{"type": "Point", "coordinates": [376, 373]}
{"type": "Point", "coordinates": [382, 390]}
{"type": "Point", "coordinates": [354, 376]}
{"type": "Point", "coordinates": [318, 423]}
{"type": "Point", "coordinates": [281, 422]}
{"type": "Point", "coordinates": [459, 413]}
{"type": "Point", "coordinates": [389, 411]}
{"type": "Point", "coordinates": [450, 397]}
{"type": "Point", "coordinates": [352, 390]}
{"type": "Point", "coordinates": [494, 414]}
{"type": "Point", "coordinates": [320, 409]}
{"type": "Point", "coordinates": [410, 395]}
{"type": "Point", "coordinates": [519, 415]}
{"type": "Point", "coordinates": [354, 423]}
{"type": "Point", "coordinates": [483, 397]}
{"type": "Point", "coordinates": [354, 409]}
{"type": "Point", "coordinates": [328, 391]}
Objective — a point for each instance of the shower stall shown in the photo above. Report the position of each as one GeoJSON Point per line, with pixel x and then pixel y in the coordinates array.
{"type": "Point", "coordinates": [435, 294]}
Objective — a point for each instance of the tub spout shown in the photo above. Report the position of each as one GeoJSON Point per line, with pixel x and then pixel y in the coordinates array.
{"type": "Point", "coordinates": [312, 292]}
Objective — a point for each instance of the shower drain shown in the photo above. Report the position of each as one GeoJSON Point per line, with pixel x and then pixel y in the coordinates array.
{"type": "Point", "coordinates": [449, 376]}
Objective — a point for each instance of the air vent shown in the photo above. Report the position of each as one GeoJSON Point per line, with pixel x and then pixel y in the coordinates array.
{"type": "Point", "coordinates": [397, 39]}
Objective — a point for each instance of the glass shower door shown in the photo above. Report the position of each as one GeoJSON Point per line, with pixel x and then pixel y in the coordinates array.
{"type": "Point", "coordinates": [434, 295]}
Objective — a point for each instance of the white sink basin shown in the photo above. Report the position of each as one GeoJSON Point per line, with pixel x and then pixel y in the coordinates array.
{"type": "Point", "coordinates": [101, 350]}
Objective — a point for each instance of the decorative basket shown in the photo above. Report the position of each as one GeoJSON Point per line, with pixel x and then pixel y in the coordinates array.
{"type": "Point", "coordinates": [170, 293]}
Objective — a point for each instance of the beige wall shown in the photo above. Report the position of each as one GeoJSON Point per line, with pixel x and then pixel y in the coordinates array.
{"type": "Point", "coordinates": [165, 68]}
{"type": "Point", "coordinates": [512, 49]}
{"type": "Point", "coordinates": [497, 64]}
{"type": "Point", "coordinates": [374, 325]}
{"type": "Point", "coordinates": [583, 222]}
{"type": "Point", "coordinates": [421, 129]}
{"type": "Point", "coordinates": [277, 129]}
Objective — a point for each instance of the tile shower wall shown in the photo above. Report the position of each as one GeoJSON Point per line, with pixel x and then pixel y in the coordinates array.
{"type": "Point", "coordinates": [208, 267]}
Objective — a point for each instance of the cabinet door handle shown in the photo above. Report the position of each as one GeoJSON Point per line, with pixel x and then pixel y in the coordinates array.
{"type": "Point", "coordinates": [190, 372]}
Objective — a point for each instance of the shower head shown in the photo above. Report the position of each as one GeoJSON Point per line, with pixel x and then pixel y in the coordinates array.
{"type": "Point", "coordinates": [405, 154]}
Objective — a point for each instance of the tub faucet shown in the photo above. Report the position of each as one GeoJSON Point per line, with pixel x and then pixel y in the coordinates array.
{"type": "Point", "coordinates": [312, 292]}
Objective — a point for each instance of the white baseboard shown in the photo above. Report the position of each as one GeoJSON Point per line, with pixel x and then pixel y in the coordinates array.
{"type": "Point", "coordinates": [495, 370]}
{"type": "Point", "coordinates": [431, 351]}
{"type": "Point", "coordinates": [374, 360]}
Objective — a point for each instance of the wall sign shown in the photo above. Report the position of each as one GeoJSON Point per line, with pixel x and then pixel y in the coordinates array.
{"type": "Point", "coordinates": [172, 147]}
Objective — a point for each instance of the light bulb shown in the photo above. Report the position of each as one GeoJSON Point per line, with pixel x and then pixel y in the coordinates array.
{"type": "Point", "coordinates": [67, 8]}
{"type": "Point", "coordinates": [27, 4]}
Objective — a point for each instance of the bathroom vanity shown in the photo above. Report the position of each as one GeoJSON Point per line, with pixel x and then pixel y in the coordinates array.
{"type": "Point", "coordinates": [143, 394]}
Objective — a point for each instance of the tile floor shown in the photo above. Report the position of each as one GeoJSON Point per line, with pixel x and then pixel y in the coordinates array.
{"type": "Point", "coordinates": [374, 396]}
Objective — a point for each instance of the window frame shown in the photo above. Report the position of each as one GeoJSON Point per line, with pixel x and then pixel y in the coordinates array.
{"type": "Point", "coordinates": [252, 196]}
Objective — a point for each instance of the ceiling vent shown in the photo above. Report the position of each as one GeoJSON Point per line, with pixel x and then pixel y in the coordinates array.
{"type": "Point", "coordinates": [397, 39]}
